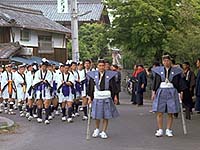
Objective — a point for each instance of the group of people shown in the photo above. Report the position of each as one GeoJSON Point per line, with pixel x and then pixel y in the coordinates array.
{"type": "Point", "coordinates": [37, 89]}
{"type": "Point", "coordinates": [170, 84]}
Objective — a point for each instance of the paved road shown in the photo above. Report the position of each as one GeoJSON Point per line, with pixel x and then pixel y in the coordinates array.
{"type": "Point", "coordinates": [134, 130]}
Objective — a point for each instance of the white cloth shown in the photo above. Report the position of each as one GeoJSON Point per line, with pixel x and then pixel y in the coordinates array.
{"type": "Point", "coordinates": [82, 74]}
{"type": "Point", "coordinates": [38, 78]}
{"type": "Point", "coordinates": [166, 85]}
{"type": "Point", "coordinates": [101, 94]}
{"type": "Point", "coordinates": [19, 80]}
{"type": "Point", "coordinates": [0, 82]}
{"type": "Point", "coordinates": [60, 80]}
{"type": "Point", "coordinates": [29, 81]}
{"type": "Point", "coordinates": [54, 79]}
{"type": "Point", "coordinates": [5, 77]}
{"type": "Point", "coordinates": [76, 75]}
{"type": "Point", "coordinates": [86, 71]}
{"type": "Point", "coordinates": [77, 79]}
{"type": "Point", "coordinates": [56, 75]}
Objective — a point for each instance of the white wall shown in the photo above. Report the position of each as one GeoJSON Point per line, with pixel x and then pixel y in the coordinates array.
{"type": "Point", "coordinates": [58, 39]}
{"type": "Point", "coordinates": [33, 38]}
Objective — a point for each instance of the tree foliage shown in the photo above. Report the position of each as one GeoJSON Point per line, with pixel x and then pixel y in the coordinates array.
{"type": "Point", "coordinates": [93, 42]}
{"type": "Point", "coordinates": [149, 28]}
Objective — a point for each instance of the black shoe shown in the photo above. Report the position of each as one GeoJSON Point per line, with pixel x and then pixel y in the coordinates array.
{"type": "Point", "coordinates": [176, 115]}
{"type": "Point", "coordinates": [133, 103]}
{"type": "Point", "coordinates": [188, 117]}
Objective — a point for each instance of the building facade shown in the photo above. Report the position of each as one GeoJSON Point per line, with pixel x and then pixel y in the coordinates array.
{"type": "Point", "coordinates": [38, 35]}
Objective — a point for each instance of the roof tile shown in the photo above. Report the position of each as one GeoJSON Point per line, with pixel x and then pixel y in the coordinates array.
{"type": "Point", "coordinates": [49, 8]}
{"type": "Point", "coordinates": [27, 18]}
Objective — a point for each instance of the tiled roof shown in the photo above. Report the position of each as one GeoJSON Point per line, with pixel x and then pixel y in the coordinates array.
{"type": "Point", "coordinates": [9, 49]}
{"type": "Point", "coordinates": [49, 8]}
{"type": "Point", "coordinates": [27, 18]}
{"type": "Point", "coordinates": [47, 1]}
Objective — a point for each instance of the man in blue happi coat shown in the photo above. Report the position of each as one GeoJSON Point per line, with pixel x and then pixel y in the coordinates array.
{"type": "Point", "coordinates": [167, 91]}
{"type": "Point", "coordinates": [101, 91]}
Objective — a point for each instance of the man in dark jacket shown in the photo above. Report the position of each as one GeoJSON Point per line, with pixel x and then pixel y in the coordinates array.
{"type": "Point", "coordinates": [118, 80]}
{"type": "Point", "coordinates": [188, 93]}
{"type": "Point", "coordinates": [197, 105]}
{"type": "Point", "coordinates": [167, 90]}
{"type": "Point", "coordinates": [140, 84]}
{"type": "Point", "coordinates": [101, 90]}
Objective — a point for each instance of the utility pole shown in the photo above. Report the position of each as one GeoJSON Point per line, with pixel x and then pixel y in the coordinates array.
{"type": "Point", "coordinates": [74, 30]}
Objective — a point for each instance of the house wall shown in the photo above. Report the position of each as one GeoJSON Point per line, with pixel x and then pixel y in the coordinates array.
{"type": "Point", "coordinates": [59, 55]}
{"type": "Point", "coordinates": [58, 39]}
{"type": "Point", "coordinates": [59, 44]}
{"type": "Point", "coordinates": [33, 38]}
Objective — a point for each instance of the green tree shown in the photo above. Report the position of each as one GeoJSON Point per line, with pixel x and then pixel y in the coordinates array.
{"type": "Point", "coordinates": [184, 43]}
{"type": "Point", "coordinates": [93, 42]}
{"type": "Point", "coordinates": [148, 28]}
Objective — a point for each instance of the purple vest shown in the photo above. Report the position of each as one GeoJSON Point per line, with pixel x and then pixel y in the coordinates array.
{"type": "Point", "coordinates": [95, 76]}
{"type": "Point", "coordinates": [161, 72]}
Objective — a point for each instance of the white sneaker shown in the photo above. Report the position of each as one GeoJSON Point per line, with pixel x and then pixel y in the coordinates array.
{"type": "Point", "coordinates": [43, 111]}
{"type": "Point", "coordinates": [64, 118]}
{"type": "Point", "coordinates": [6, 110]}
{"type": "Point", "coordinates": [15, 107]}
{"type": "Point", "coordinates": [24, 107]}
{"type": "Point", "coordinates": [11, 112]}
{"type": "Point", "coordinates": [95, 133]}
{"type": "Point", "coordinates": [103, 135]}
{"type": "Point", "coordinates": [69, 120]}
{"type": "Point", "coordinates": [50, 118]}
{"type": "Point", "coordinates": [1, 107]}
{"type": "Point", "coordinates": [85, 118]}
{"type": "Point", "coordinates": [77, 114]}
{"type": "Point", "coordinates": [1, 104]}
{"type": "Point", "coordinates": [81, 109]}
{"type": "Point", "coordinates": [35, 115]}
{"type": "Point", "coordinates": [159, 133]}
{"type": "Point", "coordinates": [22, 114]}
{"type": "Point", "coordinates": [57, 113]}
{"type": "Point", "coordinates": [169, 133]}
{"type": "Point", "coordinates": [73, 115]}
{"type": "Point", "coordinates": [27, 115]}
{"type": "Point", "coordinates": [47, 122]}
{"type": "Point", "coordinates": [39, 120]}
{"type": "Point", "coordinates": [30, 118]}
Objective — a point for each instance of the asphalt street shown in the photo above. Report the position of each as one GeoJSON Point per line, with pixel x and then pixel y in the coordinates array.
{"type": "Point", "coordinates": [133, 130]}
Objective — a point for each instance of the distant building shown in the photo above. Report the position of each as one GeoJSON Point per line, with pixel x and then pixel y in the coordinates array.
{"type": "Point", "coordinates": [26, 32]}
{"type": "Point", "coordinates": [98, 12]}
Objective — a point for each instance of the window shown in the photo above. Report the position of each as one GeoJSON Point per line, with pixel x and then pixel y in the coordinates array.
{"type": "Point", "coordinates": [45, 44]}
{"type": "Point", "coordinates": [25, 35]}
